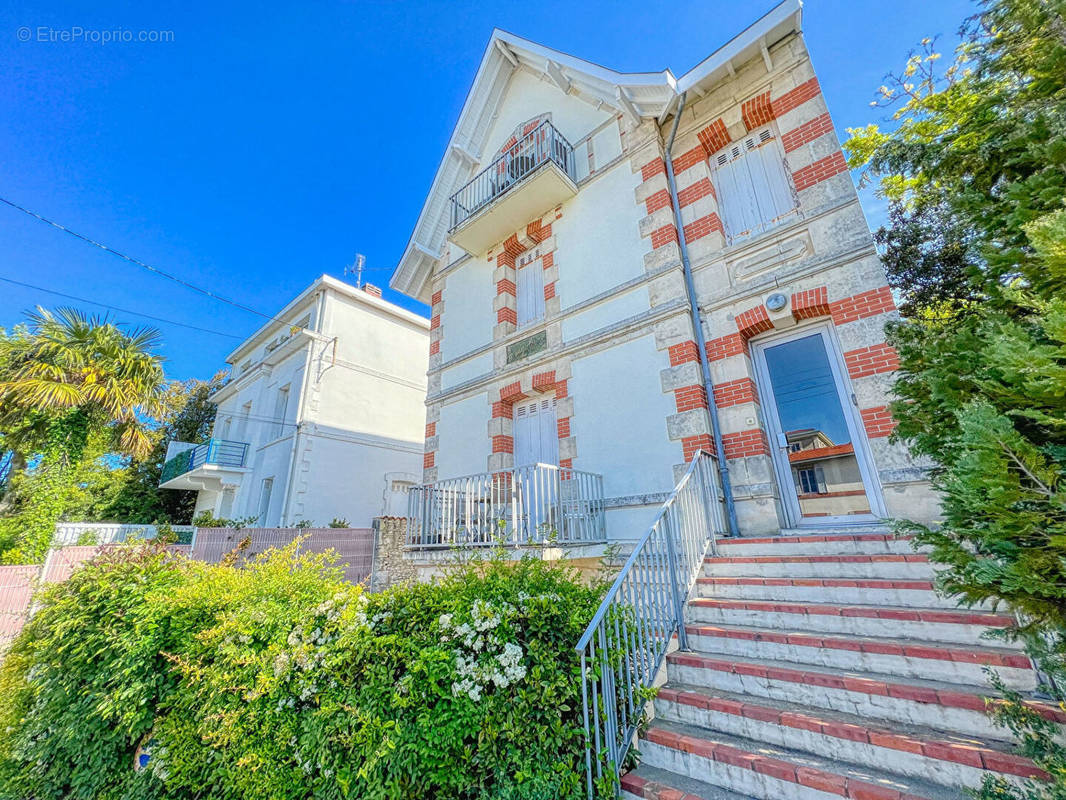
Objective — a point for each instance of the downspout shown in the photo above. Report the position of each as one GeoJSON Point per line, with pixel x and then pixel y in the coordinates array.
{"type": "Point", "coordinates": [321, 303]}
{"type": "Point", "coordinates": [697, 326]}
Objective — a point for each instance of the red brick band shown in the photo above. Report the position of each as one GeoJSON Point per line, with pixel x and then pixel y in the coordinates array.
{"type": "Point", "coordinates": [873, 360]}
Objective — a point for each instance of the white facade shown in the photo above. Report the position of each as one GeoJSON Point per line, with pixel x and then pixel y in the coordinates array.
{"type": "Point", "coordinates": [766, 207]}
{"type": "Point", "coordinates": [330, 406]}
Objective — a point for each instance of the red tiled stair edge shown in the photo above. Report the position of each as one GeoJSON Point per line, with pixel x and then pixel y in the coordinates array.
{"type": "Point", "coordinates": [830, 782]}
{"type": "Point", "coordinates": [829, 537]}
{"type": "Point", "coordinates": [872, 612]}
{"type": "Point", "coordinates": [651, 790]}
{"type": "Point", "coordinates": [860, 583]}
{"type": "Point", "coordinates": [978, 757]}
{"type": "Point", "coordinates": [901, 691]}
{"type": "Point", "coordinates": [946, 653]}
{"type": "Point", "coordinates": [895, 558]}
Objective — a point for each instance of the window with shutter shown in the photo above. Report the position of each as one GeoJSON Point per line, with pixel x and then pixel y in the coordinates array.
{"type": "Point", "coordinates": [530, 290]}
{"type": "Point", "coordinates": [752, 183]}
{"type": "Point", "coordinates": [536, 438]}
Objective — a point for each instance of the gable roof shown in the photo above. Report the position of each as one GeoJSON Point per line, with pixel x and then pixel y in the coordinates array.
{"type": "Point", "coordinates": [635, 94]}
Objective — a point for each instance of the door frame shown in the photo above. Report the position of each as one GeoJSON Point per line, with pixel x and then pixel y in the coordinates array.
{"type": "Point", "coordinates": [774, 430]}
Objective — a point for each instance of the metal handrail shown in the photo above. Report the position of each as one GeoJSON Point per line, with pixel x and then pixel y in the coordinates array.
{"type": "Point", "coordinates": [625, 644]}
{"type": "Point", "coordinates": [536, 504]}
{"type": "Point", "coordinates": [220, 452]}
{"type": "Point", "coordinates": [542, 145]}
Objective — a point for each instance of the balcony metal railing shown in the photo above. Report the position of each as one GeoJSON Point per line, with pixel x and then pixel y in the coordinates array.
{"type": "Point", "coordinates": [543, 145]}
{"type": "Point", "coordinates": [627, 640]}
{"type": "Point", "coordinates": [220, 452]}
{"type": "Point", "coordinates": [533, 505]}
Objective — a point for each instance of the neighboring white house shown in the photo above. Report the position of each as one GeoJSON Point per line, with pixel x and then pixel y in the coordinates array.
{"type": "Point", "coordinates": [323, 417]}
{"type": "Point", "coordinates": [561, 332]}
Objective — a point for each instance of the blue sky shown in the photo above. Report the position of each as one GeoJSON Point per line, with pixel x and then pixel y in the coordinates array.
{"type": "Point", "coordinates": [267, 144]}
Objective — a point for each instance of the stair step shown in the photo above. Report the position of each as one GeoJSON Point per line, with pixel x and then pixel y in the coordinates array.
{"type": "Point", "coordinates": [930, 704]}
{"type": "Point", "coordinates": [768, 772]}
{"type": "Point", "coordinates": [831, 590]}
{"type": "Point", "coordinates": [829, 543]}
{"type": "Point", "coordinates": [938, 625]}
{"type": "Point", "coordinates": [906, 658]}
{"type": "Point", "coordinates": [657, 784]}
{"type": "Point", "coordinates": [912, 566]}
{"type": "Point", "coordinates": [909, 750]}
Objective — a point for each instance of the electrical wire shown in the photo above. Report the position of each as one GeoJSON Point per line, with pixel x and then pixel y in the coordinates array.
{"type": "Point", "coordinates": [139, 263]}
{"type": "Point", "coordinates": [119, 309]}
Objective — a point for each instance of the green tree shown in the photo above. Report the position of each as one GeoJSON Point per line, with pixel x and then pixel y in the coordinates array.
{"type": "Point", "coordinates": [188, 417]}
{"type": "Point", "coordinates": [67, 376]}
{"type": "Point", "coordinates": [974, 168]}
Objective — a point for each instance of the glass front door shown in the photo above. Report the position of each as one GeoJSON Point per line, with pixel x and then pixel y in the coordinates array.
{"type": "Point", "coordinates": [820, 449]}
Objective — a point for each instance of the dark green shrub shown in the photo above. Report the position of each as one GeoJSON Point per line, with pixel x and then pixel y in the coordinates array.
{"type": "Point", "coordinates": [81, 683]}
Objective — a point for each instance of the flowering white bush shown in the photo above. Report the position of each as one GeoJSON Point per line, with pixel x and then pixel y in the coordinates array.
{"type": "Point", "coordinates": [482, 657]}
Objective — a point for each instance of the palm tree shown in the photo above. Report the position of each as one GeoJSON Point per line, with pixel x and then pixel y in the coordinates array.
{"type": "Point", "coordinates": [68, 361]}
{"type": "Point", "coordinates": [71, 387]}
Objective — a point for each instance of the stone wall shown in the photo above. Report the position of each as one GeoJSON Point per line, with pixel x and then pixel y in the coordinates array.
{"type": "Point", "coordinates": [390, 567]}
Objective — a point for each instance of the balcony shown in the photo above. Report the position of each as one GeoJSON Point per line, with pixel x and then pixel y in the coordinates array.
{"type": "Point", "coordinates": [536, 505]}
{"type": "Point", "coordinates": [204, 466]}
{"type": "Point", "coordinates": [522, 183]}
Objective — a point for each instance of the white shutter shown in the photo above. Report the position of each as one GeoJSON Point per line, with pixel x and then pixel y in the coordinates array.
{"type": "Point", "coordinates": [752, 184]}
{"type": "Point", "coordinates": [536, 438]}
{"type": "Point", "coordinates": [523, 438]}
{"type": "Point", "coordinates": [530, 292]}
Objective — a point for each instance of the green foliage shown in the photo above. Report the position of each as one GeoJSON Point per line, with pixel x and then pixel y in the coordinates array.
{"type": "Point", "coordinates": [1038, 737]}
{"type": "Point", "coordinates": [338, 522]}
{"type": "Point", "coordinates": [82, 682]}
{"type": "Point", "coordinates": [975, 173]}
{"type": "Point", "coordinates": [72, 388]}
{"type": "Point", "coordinates": [280, 680]}
{"type": "Point", "coordinates": [188, 417]}
{"type": "Point", "coordinates": [205, 519]}
{"type": "Point", "coordinates": [38, 495]}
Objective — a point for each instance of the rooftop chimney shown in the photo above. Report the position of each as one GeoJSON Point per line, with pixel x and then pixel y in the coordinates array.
{"type": "Point", "coordinates": [370, 288]}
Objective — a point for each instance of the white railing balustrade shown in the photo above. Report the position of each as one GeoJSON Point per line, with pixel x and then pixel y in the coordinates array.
{"type": "Point", "coordinates": [539, 504]}
{"type": "Point", "coordinates": [71, 533]}
{"type": "Point", "coordinates": [627, 640]}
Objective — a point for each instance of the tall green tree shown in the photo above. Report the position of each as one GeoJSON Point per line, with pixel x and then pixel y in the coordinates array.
{"type": "Point", "coordinates": [72, 386]}
{"type": "Point", "coordinates": [973, 164]}
{"type": "Point", "coordinates": [188, 418]}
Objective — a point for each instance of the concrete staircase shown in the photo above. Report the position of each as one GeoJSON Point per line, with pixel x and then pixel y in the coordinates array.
{"type": "Point", "coordinates": [825, 666]}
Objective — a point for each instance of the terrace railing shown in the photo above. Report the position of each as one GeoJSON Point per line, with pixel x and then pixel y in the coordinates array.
{"type": "Point", "coordinates": [539, 504]}
{"type": "Point", "coordinates": [220, 452]}
{"type": "Point", "coordinates": [627, 640]}
{"type": "Point", "coordinates": [542, 145]}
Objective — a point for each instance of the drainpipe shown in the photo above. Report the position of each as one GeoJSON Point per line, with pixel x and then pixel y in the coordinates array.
{"type": "Point", "coordinates": [320, 303]}
{"type": "Point", "coordinates": [697, 326]}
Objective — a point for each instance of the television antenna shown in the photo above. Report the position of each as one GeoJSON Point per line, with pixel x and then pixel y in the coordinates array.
{"type": "Point", "coordinates": [356, 269]}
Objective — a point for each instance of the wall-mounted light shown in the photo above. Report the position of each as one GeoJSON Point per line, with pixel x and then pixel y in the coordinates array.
{"type": "Point", "coordinates": [776, 301]}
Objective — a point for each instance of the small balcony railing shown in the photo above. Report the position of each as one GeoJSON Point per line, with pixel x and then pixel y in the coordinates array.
{"type": "Point", "coordinates": [218, 452]}
{"type": "Point", "coordinates": [539, 504]}
{"type": "Point", "coordinates": [543, 145]}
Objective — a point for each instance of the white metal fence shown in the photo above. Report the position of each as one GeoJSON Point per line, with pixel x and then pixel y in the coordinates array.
{"type": "Point", "coordinates": [532, 505]}
{"type": "Point", "coordinates": [70, 533]}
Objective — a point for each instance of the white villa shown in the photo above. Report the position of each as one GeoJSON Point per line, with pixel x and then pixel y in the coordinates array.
{"type": "Point", "coordinates": [323, 416]}
{"type": "Point", "coordinates": [573, 210]}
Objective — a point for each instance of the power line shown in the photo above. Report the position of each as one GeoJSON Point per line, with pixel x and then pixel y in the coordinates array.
{"type": "Point", "coordinates": [118, 309]}
{"type": "Point", "coordinates": [138, 262]}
